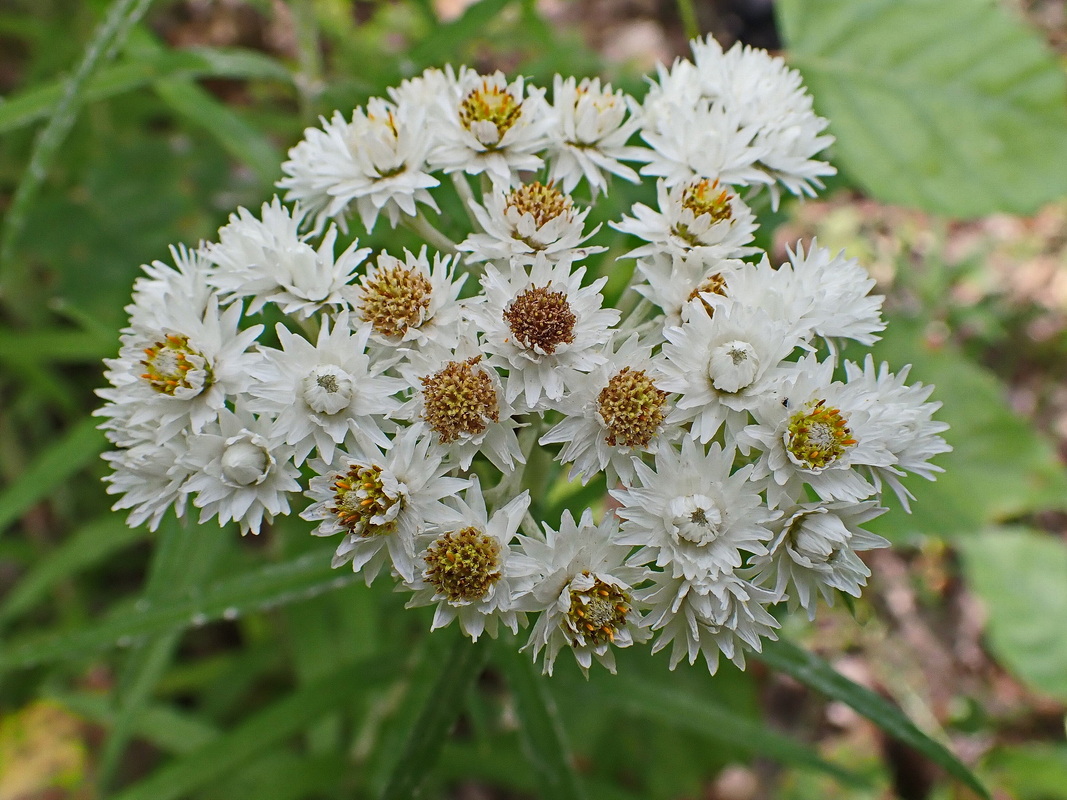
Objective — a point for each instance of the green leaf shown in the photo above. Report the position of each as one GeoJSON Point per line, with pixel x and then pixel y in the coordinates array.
{"type": "Point", "coordinates": [266, 587]}
{"type": "Point", "coordinates": [441, 705]}
{"type": "Point", "coordinates": [85, 548]}
{"type": "Point", "coordinates": [121, 16]}
{"type": "Point", "coordinates": [36, 103]}
{"type": "Point", "coordinates": [812, 671]}
{"type": "Point", "coordinates": [1021, 577]}
{"type": "Point", "coordinates": [63, 458]}
{"type": "Point", "coordinates": [983, 431]}
{"type": "Point", "coordinates": [540, 728]}
{"type": "Point", "coordinates": [260, 731]}
{"type": "Point", "coordinates": [679, 709]}
{"type": "Point", "coordinates": [952, 106]}
{"type": "Point", "coordinates": [63, 347]}
{"type": "Point", "coordinates": [1030, 771]}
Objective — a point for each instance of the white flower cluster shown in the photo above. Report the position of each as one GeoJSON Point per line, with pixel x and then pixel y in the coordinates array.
{"type": "Point", "coordinates": [741, 456]}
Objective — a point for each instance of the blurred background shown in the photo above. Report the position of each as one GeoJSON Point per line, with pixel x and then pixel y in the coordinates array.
{"type": "Point", "coordinates": [129, 126]}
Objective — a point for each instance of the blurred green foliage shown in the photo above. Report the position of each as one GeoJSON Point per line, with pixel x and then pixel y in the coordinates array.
{"type": "Point", "coordinates": [249, 667]}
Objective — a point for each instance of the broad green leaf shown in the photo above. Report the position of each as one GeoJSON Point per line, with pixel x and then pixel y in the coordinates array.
{"type": "Point", "coordinates": [442, 704]}
{"type": "Point", "coordinates": [1030, 771]}
{"type": "Point", "coordinates": [266, 587]}
{"type": "Point", "coordinates": [260, 731]}
{"type": "Point", "coordinates": [37, 102]}
{"type": "Point", "coordinates": [679, 709]}
{"type": "Point", "coordinates": [1021, 577]}
{"type": "Point", "coordinates": [540, 728]}
{"type": "Point", "coordinates": [1000, 467]}
{"type": "Point", "coordinates": [812, 671]}
{"type": "Point", "coordinates": [85, 548]}
{"type": "Point", "coordinates": [952, 106]}
{"type": "Point", "coordinates": [121, 16]}
{"type": "Point", "coordinates": [63, 458]}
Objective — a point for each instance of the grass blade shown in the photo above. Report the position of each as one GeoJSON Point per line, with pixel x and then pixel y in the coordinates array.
{"type": "Point", "coordinates": [121, 16]}
{"type": "Point", "coordinates": [78, 447]}
{"type": "Point", "coordinates": [812, 671]}
{"type": "Point", "coordinates": [440, 708]}
{"type": "Point", "coordinates": [541, 730]}
{"type": "Point", "coordinates": [260, 731]}
{"type": "Point", "coordinates": [265, 587]}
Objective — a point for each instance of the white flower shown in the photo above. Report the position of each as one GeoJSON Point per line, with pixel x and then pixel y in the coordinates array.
{"type": "Point", "coordinates": [913, 435]}
{"type": "Point", "coordinates": [770, 96]}
{"type": "Point", "coordinates": [408, 302]}
{"type": "Point", "coordinates": [584, 591]}
{"type": "Point", "coordinates": [178, 375]}
{"type": "Point", "coordinates": [613, 414]}
{"type": "Point", "coordinates": [470, 570]}
{"type": "Point", "coordinates": [690, 515]}
{"type": "Point", "coordinates": [542, 326]}
{"type": "Point", "coordinates": [727, 615]}
{"type": "Point", "coordinates": [186, 283]}
{"type": "Point", "coordinates": [589, 134]}
{"type": "Point", "coordinates": [268, 260]}
{"type": "Point", "coordinates": [671, 281]}
{"type": "Point", "coordinates": [325, 393]}
{"type": "Point", "coordinates": [723, 365]}
{"type": "Point", "coordinates": [149, 476]}
{"type": "Point", "coordinates": [240, 470]}
{"type": "Point", "coordinates": [382, 502]}
{"type": "Point", "coordinates": [698, 218]}
{"type": "Point", "coordinates": [814, 552]}
{"type": "Point", "coordinates": [492, 127]}
{"type": "Point", "coordinates": [377, 162]}
{"type": "Point", "coordinates": [821, 433]}
{"type": "Point", "coordinates": [460, 406]}
{"type": "Point", "coordinates": [530, 219]}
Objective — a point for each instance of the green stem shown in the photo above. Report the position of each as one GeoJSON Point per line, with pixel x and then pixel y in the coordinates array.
{"type": "Point", "coordinates": [420, 225]}
{"type": "Point", "coordinates": [688, 13]}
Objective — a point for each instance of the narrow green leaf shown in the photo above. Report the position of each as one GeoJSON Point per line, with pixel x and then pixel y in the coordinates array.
{"type": "Point", "coordinates": [121, 16]}
{"type": "Point", "coordinates": [36, 103]}
{"type": "Point", "coordinates": [64, 347]}
{"type": "Point", "coordinates": [952, 106]}
{"type": "Point", "coordinates": [85, 548]}
{"type": "Point", "coordinates": [812, 671]}
{"type": "Point", "coordinates": [63, 458]}
{"type": "Point", "coordinates": [700, 715]}
{"type": "Point", "coordinates": [442, 705]}
{"type": "Point", "coordinates": [266, 587]}
{"type": "Point", "coordinates": [540, 728]}
{"type": "Point", "coordinates": [1021, 577]}
{"type": "Point", "coordinates": [260, 731]}
{"type": "Point", "coordinates": [445, 41]}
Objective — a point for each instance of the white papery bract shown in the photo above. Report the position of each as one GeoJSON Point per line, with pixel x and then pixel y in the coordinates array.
{"type": "Point", "coordinates": [240, 470]}
{"type": "Point", "coordinates": [381, 502]}
{"type": "Point", "coordinates": [727, 615]}
{"type": "Point", "coordinates": [814, 553]}
{"type": "Point", "coordinates": [543, 327]}
{"type": "Point", "coordinates": [325, 394]}
{"type": "Point", "coordinates": [583, 590]}
{"type": "Point", "coordinates": [492, 127]}
{"type": "Point", "coordinates": [722, 365]}
{"type": "Point", "coordinates": [740, 464]}
{"type": "Point", "coordinates": [178, 375]}
{"type": "Point", "coordinates": [529, 220]}
{"type": "Point", "coordinates": [698, 219]}
{"type": "Point", "coordinates": [377, 162]}
{"type": "Point", "coordinates": [268, 260]}
{"type": "Point", "coordinates": [459, 405]}
{"type": "Point", "coordinates": [470, 569]}
{"type": "Point", "coordinates": [408, 302]}
{"type": "Point", "coordinates": [612, 414]}
{"type": "Point", "coordinates": [590, 134]}
{"type": "Point", "coordinates": [690, 515]}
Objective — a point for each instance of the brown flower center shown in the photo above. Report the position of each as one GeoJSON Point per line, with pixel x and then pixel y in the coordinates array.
{"type": "Point", "coordinates": [172, 364]}
{"type": "Point", "coordinates": [818, 436]}
{"type": "Point", "coordinates": [490, 104]}
{"type": "Point", "coordinates": [596, 614]}
{"type": "Point", "coordinates": [360, 498]}
{"type": "Point", "coordinates": [631, 407]}
{"type": "Point", "coordinates": [540, 319]}
{"type": "Point", "coordinates": [459, 399]}
{"type": "Point", "coordinates": [543, 202]}
{"type": "Point", "coordinates": [704, 197]}
{"type": "Point", "coordinates": [395, 299]}
{"type": "Point", "coordinates": [463, 565]}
